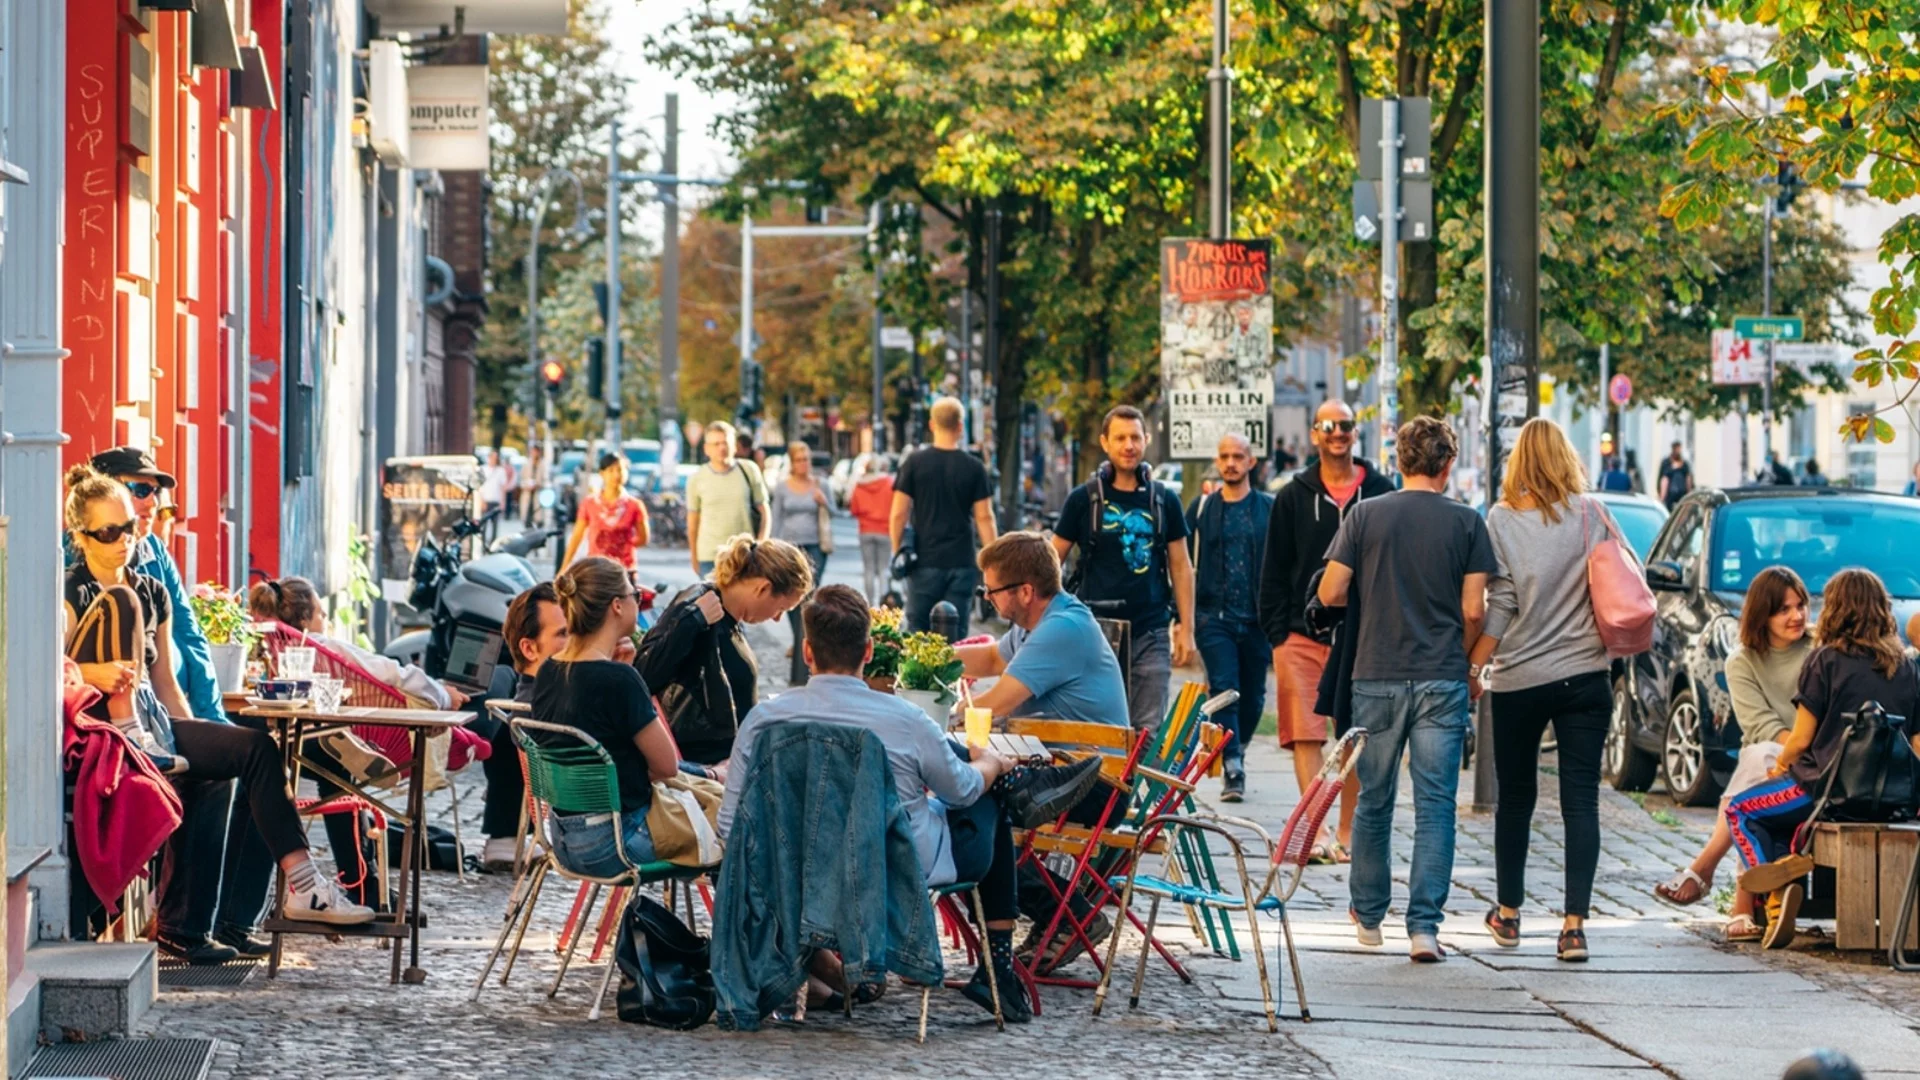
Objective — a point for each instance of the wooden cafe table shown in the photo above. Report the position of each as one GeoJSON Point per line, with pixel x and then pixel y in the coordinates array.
{"type": "Point", "coordinates": [292, 725]}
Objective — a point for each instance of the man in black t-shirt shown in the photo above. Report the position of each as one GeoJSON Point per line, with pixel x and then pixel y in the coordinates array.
{"type": "Point", "coordinates": [1134, 560]}
{"type": "Point", "coordinates": [1676, 477]}
{"type": "Point", "coordinates": [942, 492]}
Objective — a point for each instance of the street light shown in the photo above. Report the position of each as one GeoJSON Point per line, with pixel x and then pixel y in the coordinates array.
{"type": "Point", "coordinates": [580, 230]}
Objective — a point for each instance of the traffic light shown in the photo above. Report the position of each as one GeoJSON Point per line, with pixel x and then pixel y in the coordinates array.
{"type": "Point", "coordinates": [553, 373]}
{"type": "Point", "coordinates": [596, 368]}
{"type": "Point", "coordinates": [600, 300]}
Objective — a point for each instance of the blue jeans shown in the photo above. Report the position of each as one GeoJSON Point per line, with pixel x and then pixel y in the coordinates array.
{"type": "Point", "coordinates": [929, 585]}
{"type": "Point", "coordinates": [1237, 656]}
{"type": "Point", "coordinates": [584, 843]}
{"type": "Point", "coordinates": [1432, 719]}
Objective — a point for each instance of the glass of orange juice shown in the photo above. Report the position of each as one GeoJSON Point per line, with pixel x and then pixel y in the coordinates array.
{"type": "Point", "coordinates": [979, 725]}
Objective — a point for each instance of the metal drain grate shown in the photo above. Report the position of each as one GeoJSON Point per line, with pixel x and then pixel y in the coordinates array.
{"type": "Point", "coordinates": [126, 1059]}
{"type": "Point", "coordinates": [176, 975]}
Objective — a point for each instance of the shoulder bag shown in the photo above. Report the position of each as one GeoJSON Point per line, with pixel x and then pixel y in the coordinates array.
{"type": "Point", "coordinates": [666, 978]}
{"type": "Point", "coordinates": [683, 820]}
{"type": "Point", "coordinates": [1617, 589]}
{"type": "Point", "coordinates": [1872, 774]}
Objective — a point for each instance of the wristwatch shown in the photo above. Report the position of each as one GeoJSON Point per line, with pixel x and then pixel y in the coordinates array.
{"type": "Point", "coordinates": [1474, 671]}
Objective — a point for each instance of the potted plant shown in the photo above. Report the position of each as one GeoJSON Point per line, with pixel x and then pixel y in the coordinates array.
{"type": "Point", "coordinates": [884, 668]}
{"type": "Point", "coordinates": [223, 617]}
{"type": "Point", "coordinates": [929, 674]}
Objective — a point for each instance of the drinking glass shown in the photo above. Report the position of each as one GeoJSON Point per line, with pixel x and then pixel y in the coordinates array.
{"type": "Point", "coordinates": [296, 662]}
{"type": "Point", "coordinates": [327, 694]}
{"type": "Point", "coordinates": [979, 726]}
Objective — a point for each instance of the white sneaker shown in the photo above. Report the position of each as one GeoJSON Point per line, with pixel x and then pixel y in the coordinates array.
{"type": "Point", "coordinates": [360, 759]}
{"type": "Point", "coordinates": [1425, 948]}
{"type": "Point", "coordinates": [168, 762]}
{"type": "Point", "coordinates": [497, 856]}
{"type": "Point", "coordinates": [1369, 936]}
{"type": "Point", "coordinates": [326, 903]}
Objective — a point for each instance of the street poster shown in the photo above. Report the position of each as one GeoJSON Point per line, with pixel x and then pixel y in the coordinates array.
{"type": "Point", "coordinates": [422, 496]}
{"type": "Point", "coordinates": [1216, 343]}
{"type": "Point", "coordinates": [1734, 360]}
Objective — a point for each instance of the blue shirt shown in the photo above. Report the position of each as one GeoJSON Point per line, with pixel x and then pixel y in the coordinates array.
{"type": "Point", "coordinates": [1066, 663]}
{"type": "Point", "coordinates": [1238, 568]}
{"type": "Point", "coordinates": [921, 755]}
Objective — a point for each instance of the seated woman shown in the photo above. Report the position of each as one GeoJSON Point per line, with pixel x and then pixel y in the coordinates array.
{"type": "Point", "coordinates": [120, 638]}
{"type": "Point", "coordinates": [697, 659]}
{"type": "Point", "coordinates": [295, 602]}
{"type": "Point", "coordinates": [1859, 660]}
{"type": "Point", "coordinates": [584, 687]}
{"type": "Point", "coordinates": [1762, 675]}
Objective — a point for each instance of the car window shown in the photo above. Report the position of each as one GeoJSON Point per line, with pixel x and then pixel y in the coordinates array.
{"type": "Point", "coordinates": [1640, 524]}
{"type": "Point", "coordinates": [1683, 541]}
{"type": "Point", "coordinates": [1818, 537]}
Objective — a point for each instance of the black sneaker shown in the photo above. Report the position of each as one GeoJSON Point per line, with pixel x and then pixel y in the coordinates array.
{"type": "Point", "coordinates": [1065, 947]}
{"type": "Point", "coordinates": [1036, 795]}
{"type": "Point", "coordinates": [242, 941]}
{"type": "Point", "coordinates": [1014, 1007]}
{"type": "Point", "coordinates": [1234, 789]}
{"type": "Point", "coordinates": [205, 951]}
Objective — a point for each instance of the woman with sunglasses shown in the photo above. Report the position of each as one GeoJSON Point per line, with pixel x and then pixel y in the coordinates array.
{"type": "Point", "coordinates": [118, 623]}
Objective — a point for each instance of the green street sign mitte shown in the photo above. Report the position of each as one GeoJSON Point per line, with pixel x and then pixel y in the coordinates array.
{"type": "Point", "coordinates": [1768, 327]}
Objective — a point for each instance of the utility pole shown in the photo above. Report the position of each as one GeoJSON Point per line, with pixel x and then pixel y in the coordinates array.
{"type": "Point", "coordinates": [1766, 309]}
{"type": "Point", "coordinates": [746, 310]}
{"type": "Point", "coordinates": [580, 231]}
{"type": "Point", "coordinates": [879, 422]}
{"type": "Point", "coordinates": [613, 286]}
{"type": "Point", "coordinates": [1387, 373]}
{"type": "Point", "coordinates": [670, 267]}
{"type": "Point", "coordinates": [1219, 132]}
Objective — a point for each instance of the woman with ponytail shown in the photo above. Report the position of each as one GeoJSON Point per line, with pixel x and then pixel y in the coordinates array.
{"type": "Point", "coordinates": [295, 602]}
{"type": "Point", "coordinates": [696, 658]}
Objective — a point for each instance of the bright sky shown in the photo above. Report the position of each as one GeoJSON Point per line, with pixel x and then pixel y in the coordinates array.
{"type": "Point", "coordinates": [631, 24]}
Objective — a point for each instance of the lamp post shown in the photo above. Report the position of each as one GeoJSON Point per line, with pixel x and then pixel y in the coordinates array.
{"type": "Point", "coordinates": [580, 230]}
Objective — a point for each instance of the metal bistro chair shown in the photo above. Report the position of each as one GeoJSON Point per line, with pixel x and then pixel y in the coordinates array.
{"type": "Point", "coordinates": [1292, 853]}
{"type": "Point", "coordinates": [576, 773]}
{"type": "Point", "coordinates": [946, 904]}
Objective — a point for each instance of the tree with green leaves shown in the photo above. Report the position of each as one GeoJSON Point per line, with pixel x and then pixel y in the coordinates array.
{"type": "Point", "coordinates": [1832, 101]}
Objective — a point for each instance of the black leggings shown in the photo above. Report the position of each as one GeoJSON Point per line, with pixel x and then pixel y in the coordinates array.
{"type": "Point", "coordinates": [217, 751]}
{"type": "Point", "coordinates": [1579, 709]}
{"type": "Point", "coordinates": [506, 786]}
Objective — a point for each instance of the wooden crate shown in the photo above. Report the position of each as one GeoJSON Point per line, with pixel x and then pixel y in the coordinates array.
{"type": "Point", "coordinates": [1870, 865]}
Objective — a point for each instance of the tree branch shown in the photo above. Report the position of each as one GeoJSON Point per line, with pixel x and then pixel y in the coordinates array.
{"type": "Point", "coordinates": [928, 198]}
{"type": "Point", "coordinates": [1349, 89]}
{"type": "Point", "coordinates": [1458, 103]}
{"type": "Point", "coordinates": [1609, 70]}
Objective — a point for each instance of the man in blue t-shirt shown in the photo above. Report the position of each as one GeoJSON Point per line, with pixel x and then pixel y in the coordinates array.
{"type": "Point", "coordinates": [1054, 656]}
{"type": "Point", "coordinates": [1133, 560]}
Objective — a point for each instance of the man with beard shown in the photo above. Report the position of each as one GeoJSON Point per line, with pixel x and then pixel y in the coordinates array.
{"type": "Point", "coordinates": [1228, 534]}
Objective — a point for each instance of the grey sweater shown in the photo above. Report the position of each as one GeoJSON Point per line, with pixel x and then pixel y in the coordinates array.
{"type": "Point", "coordinates": [1763, 687]}
{"type": "Point", "coordinates": [1537, 604]}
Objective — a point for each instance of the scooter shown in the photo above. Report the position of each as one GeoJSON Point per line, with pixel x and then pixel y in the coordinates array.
{"type": "Point", "coordinates": [468, 603]}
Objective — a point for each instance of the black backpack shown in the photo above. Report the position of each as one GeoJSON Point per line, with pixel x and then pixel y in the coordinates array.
{"type": "Point", "coordinates": [1873, 774]}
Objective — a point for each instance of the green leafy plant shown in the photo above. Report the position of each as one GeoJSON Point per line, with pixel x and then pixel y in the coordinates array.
{"type": "Point", "coordinates": [353, 605]}
{"type": "Point", "coordinates": [927, 662]}
{"type": "Point", "coordinates": [887, 643]}
{"type": "Point", "coordinates": [222, 614]}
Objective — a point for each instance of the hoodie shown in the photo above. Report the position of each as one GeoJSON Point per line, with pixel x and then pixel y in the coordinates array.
{"type": "Point", "coordinates": [1305, 519]}
{"type": "Point", "coordinates": [872, 502]}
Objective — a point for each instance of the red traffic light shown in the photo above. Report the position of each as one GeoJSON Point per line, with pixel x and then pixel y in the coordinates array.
{"type": "Point", "coordinates": [553, 371]}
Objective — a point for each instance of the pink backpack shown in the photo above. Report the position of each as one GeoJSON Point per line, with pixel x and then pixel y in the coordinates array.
{"type": "Point", "coordinates": [1617, 588]}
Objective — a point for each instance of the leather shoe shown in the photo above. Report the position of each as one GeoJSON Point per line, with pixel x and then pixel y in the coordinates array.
{"type": "Point", "coordinates": [1036, 795]}
{"type": "Point", "coordinates": [1014, 1007]}
{"type": "Point", "coordinates": [242, 941]}
{"type": "Point", "coordinates": [202, 952]}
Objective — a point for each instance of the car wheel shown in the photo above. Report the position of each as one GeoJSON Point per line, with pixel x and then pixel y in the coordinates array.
{"type": "Point", "coordinates": [1683, 760]}
{"type": "Point", "coordinates": [1623, 765]}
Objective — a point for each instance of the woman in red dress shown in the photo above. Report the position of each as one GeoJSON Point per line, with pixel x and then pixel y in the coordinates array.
{"type": "Point", "coordinates": [612, 523]}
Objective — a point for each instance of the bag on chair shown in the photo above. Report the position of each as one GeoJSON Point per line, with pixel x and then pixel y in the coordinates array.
{"type": "Point", "coordinates": [665, 977]}
{"type": "Point", "coordinates": [1617, 589]}
{"type": "Point", "coordinates": [683, 820]}
{"type": "Point", "coordinates": [1872, 775]}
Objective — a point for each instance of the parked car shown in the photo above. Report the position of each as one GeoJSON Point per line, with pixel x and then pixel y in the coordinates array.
{"type": "Point", "coordinates": [1638, 516]}
{"type": "Point", "coordinates": [1672, 715]}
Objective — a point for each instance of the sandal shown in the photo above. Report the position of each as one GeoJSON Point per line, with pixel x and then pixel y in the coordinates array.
{"type": "Point", "coordinates": [1741, 929]}
{"type": "Point", "coordinates": [1341, 856]}
{"type": "Point", "coordinates": [1683, 888]}
{"type": "Point", "coordinates": [1321, 855]}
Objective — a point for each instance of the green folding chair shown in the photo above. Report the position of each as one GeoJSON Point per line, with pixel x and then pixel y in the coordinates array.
{"type": "Point", "coordinates": [573, 770]}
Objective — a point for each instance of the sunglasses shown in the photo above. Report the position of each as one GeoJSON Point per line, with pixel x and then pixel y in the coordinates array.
{"type": "Point", "coordinates": [985, 593]}
{"type": "Point", "coordinates": [1328, 427]}
{"type": "Point", "coordinates": [109, 534]}
{"type": "Point", "coordinates": [140, 489]}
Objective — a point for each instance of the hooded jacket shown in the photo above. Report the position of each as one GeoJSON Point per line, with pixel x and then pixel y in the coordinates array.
{"type": "Point", "coordinates": [1305, 519]}
{"type": "Point", "coordinates": [871, 503]}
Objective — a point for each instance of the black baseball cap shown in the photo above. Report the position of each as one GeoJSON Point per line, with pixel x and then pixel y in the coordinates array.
{"type": "Point", "coordinates": [131, 461]}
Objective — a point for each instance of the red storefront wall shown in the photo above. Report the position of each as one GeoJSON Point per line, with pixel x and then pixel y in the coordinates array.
{"type": "Point", "coordinates": [154, 175]}
{"type": "Point", "coordinates": [266, 241]}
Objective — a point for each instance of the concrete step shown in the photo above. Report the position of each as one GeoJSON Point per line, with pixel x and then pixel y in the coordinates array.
{"type": "Point", "coordinates": [23, 986]}
{"type": "Point", "coordinates": [91, 990]}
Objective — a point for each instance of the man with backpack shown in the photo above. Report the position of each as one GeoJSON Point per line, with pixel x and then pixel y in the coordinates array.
{"type": "Point", "coordinates": [1133, 562]}
{"type": "Point", "coordinates": [1229, 531]}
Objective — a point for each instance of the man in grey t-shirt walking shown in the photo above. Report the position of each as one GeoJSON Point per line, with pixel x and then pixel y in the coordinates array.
{"type": "Point", "coordinates": [1415, 566]}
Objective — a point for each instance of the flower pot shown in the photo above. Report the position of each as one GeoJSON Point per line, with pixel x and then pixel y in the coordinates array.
{"type": "Point", "coordinates": [936, 704]}
{"type": "Point", "coordinates": [229, 666]}
{"type": "Point", "coordinates": [882, 683]}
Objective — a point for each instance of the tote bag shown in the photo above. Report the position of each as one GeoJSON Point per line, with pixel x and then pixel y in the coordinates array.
{"type": "Point", "coordinates": [1617, 588]}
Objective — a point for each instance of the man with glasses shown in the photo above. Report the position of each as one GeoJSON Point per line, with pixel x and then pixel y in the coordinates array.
{"type": "Point", "coordinates": [1306, 514]}
{"type": "Point", "coordinates": [1054, 655]}
{"type": "Point", "coordinates": [192, 656]}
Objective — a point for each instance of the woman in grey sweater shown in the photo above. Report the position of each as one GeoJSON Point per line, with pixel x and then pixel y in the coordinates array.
{"type": "Point", "coordinates": [797, 505]}
{"type": "Point", "coordinates": [1550, 668]}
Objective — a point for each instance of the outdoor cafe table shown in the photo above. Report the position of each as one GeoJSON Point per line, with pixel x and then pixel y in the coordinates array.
{"type": "Point", "coordinates": [290, 727]}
